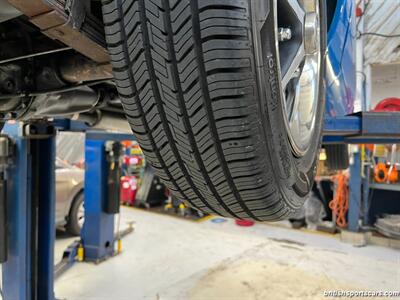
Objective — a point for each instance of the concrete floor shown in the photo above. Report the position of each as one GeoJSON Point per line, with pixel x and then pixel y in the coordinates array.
{"type": "Point", "coordinates": [169, 258]}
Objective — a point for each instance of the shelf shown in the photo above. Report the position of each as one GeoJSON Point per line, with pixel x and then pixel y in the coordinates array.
{"type": "Point", "coordinates": [385, 186]}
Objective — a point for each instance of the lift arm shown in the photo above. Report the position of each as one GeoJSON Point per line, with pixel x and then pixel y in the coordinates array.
{"type": "Point", "coordinates": [363, 128]}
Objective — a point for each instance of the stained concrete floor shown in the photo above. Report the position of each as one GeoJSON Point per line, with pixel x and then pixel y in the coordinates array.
{"type": "Point", "coordinates": [169, 258]}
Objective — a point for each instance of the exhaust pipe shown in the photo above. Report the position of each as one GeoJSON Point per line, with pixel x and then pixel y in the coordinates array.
{"type": "Point", "coordinates": [77, 69]}
{"type": "Point", "coordinates": [63, 104]}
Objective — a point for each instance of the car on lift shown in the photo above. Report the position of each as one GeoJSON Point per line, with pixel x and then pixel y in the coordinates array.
{"type": "Point", "coordinates": [70, 213]}
{"type": "Point", "coordinates": [225, 97]}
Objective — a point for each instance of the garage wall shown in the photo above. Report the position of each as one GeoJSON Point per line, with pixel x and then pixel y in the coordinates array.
{"type": "Point", "coordinates": [385, 82]}
{"type": "Point", "coordinates": [70, 146]}
{"type": "Point", "coordinates": [382, 17]}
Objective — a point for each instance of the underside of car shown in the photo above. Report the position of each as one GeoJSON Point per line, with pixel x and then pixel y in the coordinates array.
{"type": "Point", "coordinates": [225, 97]}
{"type": "Point", "coordinates": [54, 62]}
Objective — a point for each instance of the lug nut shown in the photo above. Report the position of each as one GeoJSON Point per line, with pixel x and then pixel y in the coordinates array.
{"type": "Point", "coordinates": [297, 73]}
{"type": "Point", "coordinates": [284, 34]}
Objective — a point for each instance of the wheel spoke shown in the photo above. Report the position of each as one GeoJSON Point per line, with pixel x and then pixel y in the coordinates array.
{"type": "Point", "coordinates": [299, 48]}
{"type": "Point", "coordinates": [291, 17]}
{"type": "Point", "coordinates": [294, 68]}
{"type": "Point", "coordinates": [81, 215]}
{"type": "Point", "coordinates": [296, 8]}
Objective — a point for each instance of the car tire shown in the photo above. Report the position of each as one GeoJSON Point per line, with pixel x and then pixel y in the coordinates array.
{"type": "Point", "coordinates": [74, 224]}
{"type": "Point", "coordinates": [200, 82]}
{"type": "Point", "coordinates": [337, 157]}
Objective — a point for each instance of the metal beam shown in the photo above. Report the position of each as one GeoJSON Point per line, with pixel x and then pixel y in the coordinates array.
{"type": "Point", "coordinates": [363, 128]}
{"type": "Point", "coordinates": [354, 193]}
{"type": "Point", "coordinates": [51, 17]}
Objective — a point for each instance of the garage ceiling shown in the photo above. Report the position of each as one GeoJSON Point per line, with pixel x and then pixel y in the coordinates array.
{"type": "Point", "coordinates": [382, 17]}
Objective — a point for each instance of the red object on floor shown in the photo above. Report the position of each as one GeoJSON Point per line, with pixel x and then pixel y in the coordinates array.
{"type": "Point", "coordinates": [128, 189]}
{"type": "Point", "coordinates": [244, 223]}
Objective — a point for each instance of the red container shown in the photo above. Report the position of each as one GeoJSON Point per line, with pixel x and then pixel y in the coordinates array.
{"type": "Point", "coordinates": [128, 189]}
{"type": "Point", "coordinates": [244, 223]}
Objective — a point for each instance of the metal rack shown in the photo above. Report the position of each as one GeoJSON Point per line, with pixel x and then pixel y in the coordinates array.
{"type": "Point", "coordinates": [363, 128]}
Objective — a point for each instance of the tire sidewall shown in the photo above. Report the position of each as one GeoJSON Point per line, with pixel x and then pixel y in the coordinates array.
{"type": "Point", "coordinates": [294, 175]}
{"type": "Point", "coordinates": [73, 222]}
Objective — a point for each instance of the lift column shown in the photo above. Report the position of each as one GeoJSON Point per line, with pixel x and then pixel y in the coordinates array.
{"type": "Point", "coordinates": [102, 176]}
{"type": "Point", "coordinates": [27, 273]}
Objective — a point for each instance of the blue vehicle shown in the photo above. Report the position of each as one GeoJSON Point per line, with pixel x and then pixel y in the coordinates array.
{"type": "Point", "coordinates": [340, 70]}
{"type": "Point", "coordinates": [226, 97]}
{"type": "Point", "coordinates": [340, 74]}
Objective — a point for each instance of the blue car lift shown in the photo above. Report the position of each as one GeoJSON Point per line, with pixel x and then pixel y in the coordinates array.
{"type": "Point", "coordinates": [27, 181]}
{"type": "Point", "coordinates": [28, 270]}
{"type": "Point", "coordinates": [361, 128]}
{"type": "Point", "coordinates": [98, 235]}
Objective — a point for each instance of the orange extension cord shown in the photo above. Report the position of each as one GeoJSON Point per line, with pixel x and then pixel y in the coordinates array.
{"type": "Point", "coordinates": [340, 203]}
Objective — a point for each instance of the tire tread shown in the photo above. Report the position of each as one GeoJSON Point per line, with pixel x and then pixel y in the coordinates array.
{"type": "Point", "coordinates": [186, 75]}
